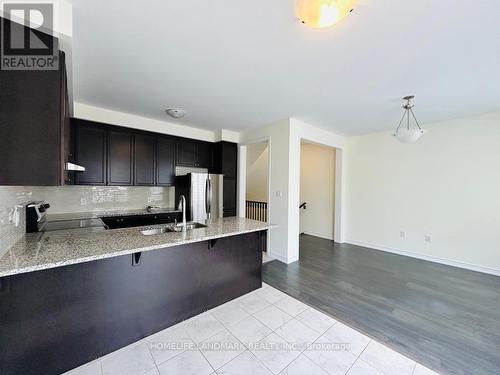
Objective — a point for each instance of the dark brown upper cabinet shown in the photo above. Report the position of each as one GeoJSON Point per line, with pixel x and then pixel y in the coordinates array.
{"type": "Point", "coordinates": [145, 160]}
{"type": "Point", "coordinates": [204, 154]}
{"type": "Point", "coordinates": [120, 157]}
{"type": "Point", "coordinates": [186, 153]}
{"type": "Point", "coordinates": [90, 152]}
{"type": "Point", "coordinates": [34, 126]}
{"type": "Point", "coordinates": [225, 156]}
{"type": "Point", "coordinates": [115, 155]}
{"type": "Point", "coordinates": [192, 153]}
{"type": "Point", "coordinates": [165, 161]}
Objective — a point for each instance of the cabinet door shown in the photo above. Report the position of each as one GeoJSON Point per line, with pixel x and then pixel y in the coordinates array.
{"type": "Point", "coordinates": [229, 198]}
{"type": "Point", "coordinates": [90, 152]}
{"type": "Point", "coordinates": [204, 155]}
{"type": "Point", "coordinates": [144, 160]}
{"type": "Point", "coordinates": [30, 127]}
{"type": "Point", "coordinates": [120, 157]}
{"type": "Point", "coordinates": [186, 153]}
{"type": "Point", "coordinates": [229, 159]}
{"type": "Point", "coordinates": [165, 161]}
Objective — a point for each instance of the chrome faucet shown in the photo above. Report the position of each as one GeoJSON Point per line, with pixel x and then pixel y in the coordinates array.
{"type": "Point", "coordinates": [182, 206]}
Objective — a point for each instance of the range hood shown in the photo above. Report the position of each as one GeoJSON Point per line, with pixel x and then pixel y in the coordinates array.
{"type": "Point", "coordinates": [74, 167]}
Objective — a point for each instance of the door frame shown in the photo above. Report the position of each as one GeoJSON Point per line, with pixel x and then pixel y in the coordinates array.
{"type": "Point", "coordinates": [337, 222]}
{"type": "Point", "coordinates": [242, 179]}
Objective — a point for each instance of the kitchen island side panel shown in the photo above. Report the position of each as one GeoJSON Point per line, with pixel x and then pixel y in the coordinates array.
{"type": "Point", "coordinates": [60, 318]}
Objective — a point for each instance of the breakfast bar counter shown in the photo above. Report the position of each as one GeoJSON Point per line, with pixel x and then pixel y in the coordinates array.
{"type": "Point", "coordinates": [68, 297]}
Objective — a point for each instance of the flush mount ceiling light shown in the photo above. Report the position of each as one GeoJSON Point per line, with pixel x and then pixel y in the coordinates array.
{"type": "Point", "coordinates": [323, 13]}
{"type": "Point", "coordinates": [406, 132]}
{"type": "Point", "coordinates": [176, 112]}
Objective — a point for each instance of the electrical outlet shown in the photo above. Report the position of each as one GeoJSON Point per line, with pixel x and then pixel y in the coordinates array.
{"type": "Point", "coordinates": [279, 194]}
{"type": "Point", "coordinates": [427, 238]}
{"type": "Point", "coordinates": [402, 234]}
{"type": "Point", "coordinates": [83, 201]}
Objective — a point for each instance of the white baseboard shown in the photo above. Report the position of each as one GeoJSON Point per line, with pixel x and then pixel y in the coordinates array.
{"type": "Point", "coordinates": [319, 235]}
{"type": "Point", "coordinates": [282, 259]}
{"type": "Point", "coordinates": [448, 262]}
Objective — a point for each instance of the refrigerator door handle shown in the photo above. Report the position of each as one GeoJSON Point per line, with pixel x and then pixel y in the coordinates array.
{"type": "Point", "coordinates": [208, 197]}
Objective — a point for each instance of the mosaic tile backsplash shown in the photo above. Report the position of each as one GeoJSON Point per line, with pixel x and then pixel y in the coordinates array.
{"type": "Point", "coordinates": [66, 199]}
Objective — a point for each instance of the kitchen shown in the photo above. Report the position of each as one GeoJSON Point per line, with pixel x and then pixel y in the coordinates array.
{"type": "Point", "coordinates": [120, 223]}
{"type": "Point", "coordinates": [199, 188]}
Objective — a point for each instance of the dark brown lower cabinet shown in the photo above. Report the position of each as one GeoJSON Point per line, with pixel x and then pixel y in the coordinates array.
{"type": "Point", "coordinates": [57, 319]}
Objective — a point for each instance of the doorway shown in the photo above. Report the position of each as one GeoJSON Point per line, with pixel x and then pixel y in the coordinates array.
{"type": "Point", "coordinates": [317, 190]}
{"type": "Point", "coordinates": [257, 185]}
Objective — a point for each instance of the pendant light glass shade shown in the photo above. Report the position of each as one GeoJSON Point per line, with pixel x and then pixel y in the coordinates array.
{"type": "Point", "coordinates": [323, 13]}
{"type": "Point", "coordinates": [409, 136]}
{"type": "Point", "coordinates": [408, 130]}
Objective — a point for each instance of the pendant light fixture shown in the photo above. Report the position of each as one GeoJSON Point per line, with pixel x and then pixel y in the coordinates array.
{"type": "Point", "coordinates": [406, 132]}
{"type": "Point", "coordinates": [323, 13]}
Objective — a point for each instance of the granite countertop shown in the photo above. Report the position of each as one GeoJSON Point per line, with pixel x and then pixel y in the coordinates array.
{"type": "Point", "coordinates": [39, 251]}
{"type": "Point", "coordinates": [97, 214]}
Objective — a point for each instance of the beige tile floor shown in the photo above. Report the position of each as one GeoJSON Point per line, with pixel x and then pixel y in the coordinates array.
{"type": "Point", "coordinates": [264, 332]}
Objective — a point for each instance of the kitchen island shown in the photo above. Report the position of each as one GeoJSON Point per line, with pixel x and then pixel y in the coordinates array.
{"type": "Point", "coordinates": [67, 298]}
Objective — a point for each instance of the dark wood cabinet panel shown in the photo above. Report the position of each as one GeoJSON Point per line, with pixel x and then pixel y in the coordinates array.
{"type": "Point", "coordinates": [31, 123]}
{"type": "Point", "coordinates": [229, 197]}
{"type": "Point", "coordinates": [204, 154]}
{"type": "Point", "coordinates": [229, 159]}
{"type": "Point", "coordinates": [144, 159]}
{"type": "Point", "coordinates": [226, 163]}
{"type": "Point", "coordinates": [90, 152]}
{"type": "Point", "coordinates": [193, 153]}
{"type": "Point", "coordinates": [115, 155]}
{"type": "Point", "coordinates": [186, 153]}
{"type": "Point", "coordinates": [165, 161]}
{"type": "Point", "coordinates": [120, 157]}
{"type": "Point", "coordinates": [225, 159]}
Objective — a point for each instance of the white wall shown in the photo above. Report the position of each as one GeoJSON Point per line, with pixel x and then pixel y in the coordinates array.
{"type": "Point", "coordinates": [88, 112]}
{"type": "Point", "coordinates": [257, 182]}
{"type": "Point", "coordinates": [317, 188]}
{"type": "Point", "coordinates": [446, 186]}
{"type": "Point", "coordinates": [277, 135]}
{"type": "Point", "coordinates": [301, 131]}
{"type": "Point", "coordinates": [284, 139]}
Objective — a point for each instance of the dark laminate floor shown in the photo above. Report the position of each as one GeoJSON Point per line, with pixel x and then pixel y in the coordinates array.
{"type": "Point", "coordinates": [446, 318]}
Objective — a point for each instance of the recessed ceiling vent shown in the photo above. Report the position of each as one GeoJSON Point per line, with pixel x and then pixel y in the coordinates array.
{"type": "Point", "coordinates": [176, 112]}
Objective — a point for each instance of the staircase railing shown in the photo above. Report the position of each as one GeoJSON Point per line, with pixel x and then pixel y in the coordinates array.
{"type": "Point", "coordinates": [256, 210]}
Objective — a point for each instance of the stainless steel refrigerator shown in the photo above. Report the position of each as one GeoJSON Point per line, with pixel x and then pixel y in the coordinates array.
{"type": "Point", "coordinates": [203, 192]}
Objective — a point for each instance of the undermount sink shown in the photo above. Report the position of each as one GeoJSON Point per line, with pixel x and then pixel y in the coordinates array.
{"type": "Point", "coordinates": [172, 228]}
{"type": "Point", "coordinates": [193, 225]}
{"type": "Point", "coordinates": [153, 231]}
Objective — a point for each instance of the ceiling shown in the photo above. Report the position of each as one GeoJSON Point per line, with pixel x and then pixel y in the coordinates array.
{"type": "Point", "coordinates": [242, 64]}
